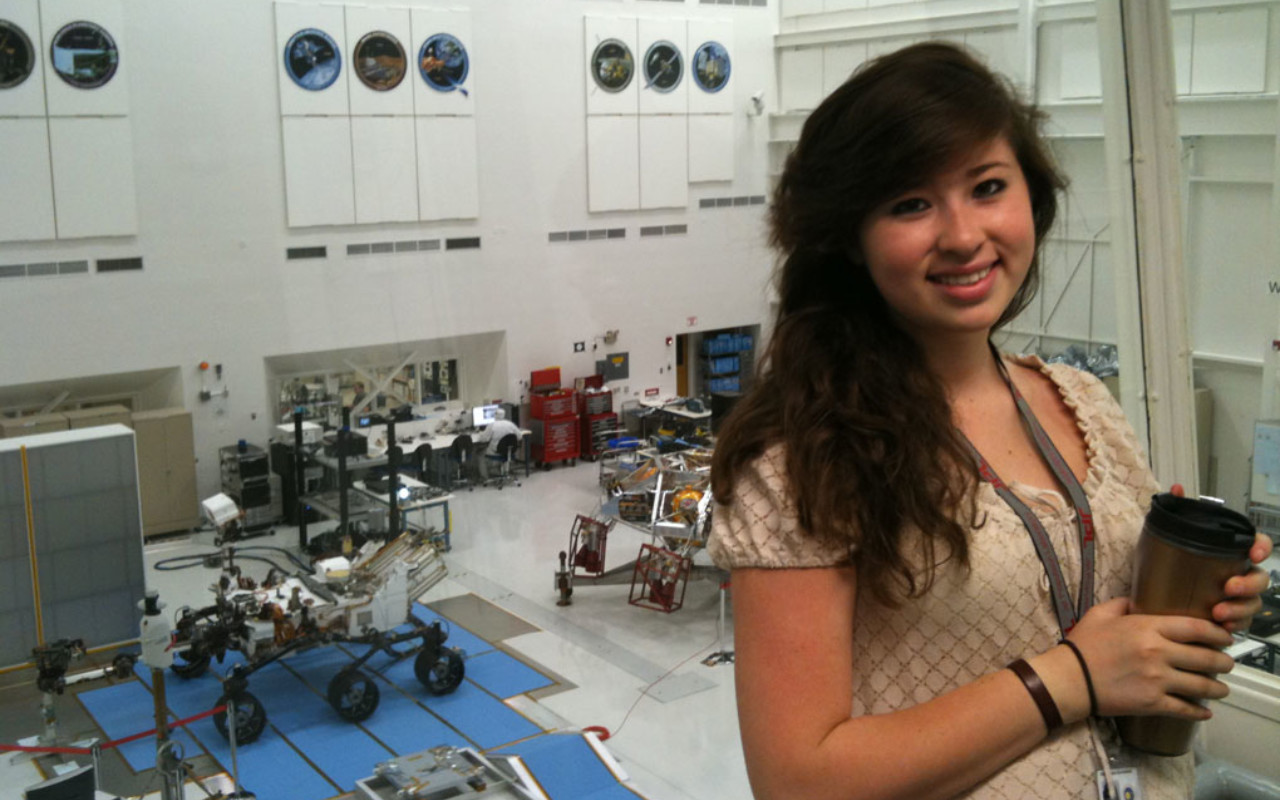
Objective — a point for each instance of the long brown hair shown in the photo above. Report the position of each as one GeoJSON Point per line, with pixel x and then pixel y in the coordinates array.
{"type": "Point", "coordinates": [870, 445]}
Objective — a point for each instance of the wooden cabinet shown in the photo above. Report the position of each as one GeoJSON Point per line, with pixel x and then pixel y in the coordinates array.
{"type": "Point", "coordinates": [166, 470]}
{"type": "Point", "coordinates": [36, 423]}
{"type": "Point", "coordinates": [99, 415]}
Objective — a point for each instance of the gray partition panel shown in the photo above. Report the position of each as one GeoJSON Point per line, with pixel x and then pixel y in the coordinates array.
{"type": "Point", "coordinates": [17, 604]}
{"type": "Point", "coordinates": [88, 538]}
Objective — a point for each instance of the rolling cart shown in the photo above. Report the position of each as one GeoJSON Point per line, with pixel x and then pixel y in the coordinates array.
{"type": "Point", "coordinates": [554, 421]}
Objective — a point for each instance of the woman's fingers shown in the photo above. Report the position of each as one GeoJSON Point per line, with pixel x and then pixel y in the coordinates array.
{"type": "Point", "coordinates": [1190, 630]}
{"type": "Point", "coordinates": [1261, 548]}
{"type": "Point", "coordinates": [1195, 659]}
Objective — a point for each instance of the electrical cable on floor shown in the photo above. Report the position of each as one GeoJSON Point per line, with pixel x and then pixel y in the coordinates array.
{"type": "Point", "coordinates": [240, 552]}
{"type": "Point", "coordinates": [645, 691]}
{"type": "Point", "coordinates": [199, 560]}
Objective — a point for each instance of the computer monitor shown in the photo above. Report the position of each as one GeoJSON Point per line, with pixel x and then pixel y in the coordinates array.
{"type": "Point", "coordinates": [75, 785]}
{"type": "Point", "coordinates": [482, 416]}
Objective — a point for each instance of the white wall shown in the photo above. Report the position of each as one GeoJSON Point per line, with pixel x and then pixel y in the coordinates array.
{"type": "Point", "coordinates": [210, 192]}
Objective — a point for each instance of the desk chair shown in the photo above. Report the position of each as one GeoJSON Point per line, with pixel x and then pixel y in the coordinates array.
{"type": "Point", "coordinates": [502, 459]}
{"type": "Point", "coordinates": [420, 463]}
{"type": "Point", "coordinates": [460, 458]}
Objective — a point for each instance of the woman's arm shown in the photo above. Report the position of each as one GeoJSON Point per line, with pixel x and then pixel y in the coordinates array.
{"type": "Point", "coordinates": [793, 639]}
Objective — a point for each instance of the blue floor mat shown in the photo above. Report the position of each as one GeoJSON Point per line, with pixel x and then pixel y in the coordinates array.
{"type": "Point", "coordinates": [503, 675]}
{"type": "Point", "coordinates": [614, 792]}
{"type": "Point", "coordinates": [307, 751]}
{"type": "Point", "coordinates": [125, 709]}
{"type": "Point", "coordinates": [566, 767]}
{"type": "Point", "coordinates": [269, 767]}
{"type": "Point", "coordinates": [340, 749]}
{"type": "Point", "coordinates": [406, 727]}
{"type": "Point", "coordinates": [485, 720]}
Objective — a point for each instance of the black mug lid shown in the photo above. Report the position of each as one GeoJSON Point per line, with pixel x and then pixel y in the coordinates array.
{"type": "Point", "coordinates": [1201, 525]}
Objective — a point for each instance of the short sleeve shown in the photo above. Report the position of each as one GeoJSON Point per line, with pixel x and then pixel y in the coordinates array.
{"type": "Point", "coordinates": [757, 526]}
{"type": "Point", "coordinates": [1111, 439]}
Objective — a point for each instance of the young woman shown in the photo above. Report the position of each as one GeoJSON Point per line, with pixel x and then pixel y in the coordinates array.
{"type": "Point", "coordinates": [881, 583]}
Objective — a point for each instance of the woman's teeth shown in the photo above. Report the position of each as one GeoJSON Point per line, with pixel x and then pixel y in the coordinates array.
{"type": "Point", "coordinates": [962, 280]}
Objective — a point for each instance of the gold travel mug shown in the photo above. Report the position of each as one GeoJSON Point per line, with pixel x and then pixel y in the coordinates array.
{"type": "Point", "coordinates": [1187, 551]}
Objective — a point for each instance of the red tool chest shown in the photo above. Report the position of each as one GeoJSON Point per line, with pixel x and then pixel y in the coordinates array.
{"type": "Point", "coordinates": [553, 415]}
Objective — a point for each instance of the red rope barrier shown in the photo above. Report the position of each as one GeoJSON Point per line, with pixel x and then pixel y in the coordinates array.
{"type": "Point", "coordinates": [81, 751]}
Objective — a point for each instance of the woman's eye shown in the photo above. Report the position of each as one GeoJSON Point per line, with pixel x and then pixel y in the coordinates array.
{"type": "Point", "coordinates": [989, 187]}
{"type": "Point", "coordinates": [909, 206]}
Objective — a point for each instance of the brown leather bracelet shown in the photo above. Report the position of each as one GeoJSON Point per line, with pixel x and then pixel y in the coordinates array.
{"type": "Point", "coordinates": [1039, 693]}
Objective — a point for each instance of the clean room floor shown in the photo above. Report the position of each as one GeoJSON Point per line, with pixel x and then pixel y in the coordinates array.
{"type": "Point", "coordinates": [677, 742]}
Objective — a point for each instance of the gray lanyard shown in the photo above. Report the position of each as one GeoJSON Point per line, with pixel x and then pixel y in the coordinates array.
{"type": "Point", "coordinates": [1062, 606]}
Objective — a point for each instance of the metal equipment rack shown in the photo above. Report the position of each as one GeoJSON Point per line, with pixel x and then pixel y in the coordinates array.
{"type": "Point", "coordinates": [599, 422]}
{"type": "Point", "coordinates": [246, 478]}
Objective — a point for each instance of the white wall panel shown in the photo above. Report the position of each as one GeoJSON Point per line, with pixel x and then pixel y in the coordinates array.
{"type": "Point", "coordinates": [27, 98]}
{"type": "Point", "coordinates": [880, 47]}
{"type": "Point", "coordinates": [384, 166]}
{"type": "Point", "coordinates": [26, 202]}
{"type": "Point", "coordinates": [802, 78]}
{"type": "Point", "coordinates": [361, 21]}
{"type": "Point", "coordinates": [294, 100]}
{"type": "Point", "coordinates": [318, 175]}
{"type": "Point", "coordinates": [613, 163]}
{"type": "Point", "coordinates": [447, 167]}
{"type": "Point", "coordinates": [597, 30]}
{"type": "Point", "coordinates": [460, 99]}
{"type": "Point", "coordinates": [710, 147]}
{"type": "Point", "coordinates": [1229, 51]}
{"type": "Point", "coordinates": [796, 8]}
{"type": "Point", "coordinates": [1079, 76]}
{"type": "Point", "coordinates": [110, 99]}
{"type": "Point", "coordinates": [653, 101]}
{"type": "Point", "coordinates": [1000, 49]}
{"type": "Point", "coordinates": [722, 101]}
{"type": "Point", "coordinates": [93, 185]}
{"type": "Point", "coordinates": [843, 5]}
{"type": "Point", "coordinates": [664, 161]}
{"type": "Point", "coordinates": [838, 63]}
{"type": "Point", "coordinates": [1182, 25]}
{"type": "Point", "coordinates": [1231, 313]}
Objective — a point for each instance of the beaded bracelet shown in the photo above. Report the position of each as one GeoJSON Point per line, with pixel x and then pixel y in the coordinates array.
{"type": "Point", "coordinates": [1088, 679]}
{"type": "Point", "coordinates": [1039, 693]}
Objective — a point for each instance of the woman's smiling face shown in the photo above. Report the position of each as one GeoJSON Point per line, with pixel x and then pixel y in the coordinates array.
{"type": "Point", "coordinates": [949, 255]}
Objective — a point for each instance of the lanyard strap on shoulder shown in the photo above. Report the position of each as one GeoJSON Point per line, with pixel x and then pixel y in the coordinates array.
{"type": "Point", "coordinates": [1062, 605]}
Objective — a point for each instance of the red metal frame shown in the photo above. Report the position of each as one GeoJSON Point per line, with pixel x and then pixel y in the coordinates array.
{"type": "Point", "coordinates": [660, 579]}
{"type": "Point", "coordinates": [588, 540]}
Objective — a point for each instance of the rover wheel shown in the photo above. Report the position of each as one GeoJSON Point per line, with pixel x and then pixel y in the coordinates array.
{"type": "Point", "coordinates": [354, 695]}
{"type": "Point", "coordinates": [440, 675]}
{"type": "Point", "coordinates": [123, 663]}
{"type": "Point", "coordinates": [190, 663]}
{"type": "Point", "coordinates": [250, 717]}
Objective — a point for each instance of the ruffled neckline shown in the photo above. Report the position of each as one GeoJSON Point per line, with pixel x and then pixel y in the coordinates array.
{"type": "Point", "coordinates": [1068, 382]}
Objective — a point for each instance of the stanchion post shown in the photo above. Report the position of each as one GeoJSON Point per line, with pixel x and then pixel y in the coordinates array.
{"type": "Point", "coordinates": [231, 740]}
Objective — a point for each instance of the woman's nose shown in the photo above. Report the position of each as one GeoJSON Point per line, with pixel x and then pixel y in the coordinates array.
{"type": "Point", "coordinates": [960, 232]}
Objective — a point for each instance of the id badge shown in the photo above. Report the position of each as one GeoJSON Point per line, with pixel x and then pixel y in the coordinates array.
{"type": "Point", "coordinates": [1125, 781]}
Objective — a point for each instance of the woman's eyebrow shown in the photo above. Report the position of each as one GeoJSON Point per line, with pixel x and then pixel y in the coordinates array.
{"type": "Point", "coordinates": [981, 168]}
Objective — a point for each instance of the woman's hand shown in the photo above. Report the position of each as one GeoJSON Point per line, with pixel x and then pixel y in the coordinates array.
{"type": "Point", "coordinates": [1243, 592]}
{"type": "Point", "coordinates": [1148, 664]}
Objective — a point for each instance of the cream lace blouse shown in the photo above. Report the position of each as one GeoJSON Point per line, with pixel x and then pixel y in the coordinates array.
{"type": "Point", "coordinates": [976, 621]}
